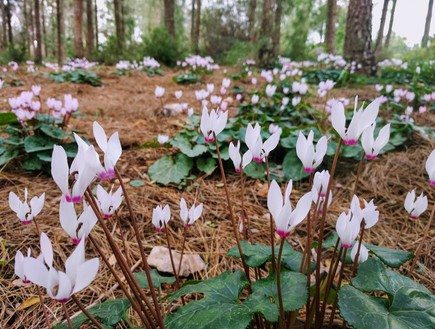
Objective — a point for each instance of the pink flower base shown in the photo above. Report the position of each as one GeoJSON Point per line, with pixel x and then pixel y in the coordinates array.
{"type": "Point", "coordinates": [432, 182]}
{"type": "Point", "coordinates": [347, 246]}
{"type": "Point", "coordinates": [310, 170]}
{"type": "Point", "coordinates": [282, 234]}
{"type": "Point", "coordinates": [371, 157]}
{"type": "Point", "coordinates": [26, 222]}
{"type": "Point", "coordinates": [74, 199]}
{"type": "Point", "coordinates": [257, 159]}
{"type": "Point", "coordinates": [209, 139]}
{"type": "Point", "coordinates": [350, 142]}
{"type": "Point", "coordinates": [107, 175]}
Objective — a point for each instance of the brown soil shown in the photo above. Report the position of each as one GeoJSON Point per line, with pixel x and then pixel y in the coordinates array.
{"type": "Point", "coordinates": [127, 104]}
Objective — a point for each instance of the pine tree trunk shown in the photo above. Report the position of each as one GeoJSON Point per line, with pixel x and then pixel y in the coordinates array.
{"type": "Point", "coordinates": [390, 26]}
{"type": "Point", "coordinates": [38, 49]}
{"type": "Point", "coordinates": [192, 25]}
{"type": "Point", "coordinates": [60, 29]}
{"type": "Point", "coordinates": [89, 29]}
{"type": "Point", "coordinates": [26, 38]}
{"type": "Point", "coordinates": [276, 36]}
{"type": "Point", "coordinates": [78, 31]}
{"type": "Point", "coordinates": [169, 16]}
{"type": "Point", "coordinates": [425, 40]}
{"type": "Point", "coordinates": [118, 24]}
{"type": "Point", "coordinates": [330, 26]}
{"type": "Point", "coordinates": [251, 19]}
{"type": "Point", "coordinates": [96, 23]}
{"type": "Point", "coordinates": [265, 54]}
{"type": "Point", "coordinates": [4, 36]}
{"type": "Point", "coordinates": [378, 45]}
{"type": "Point", "coordinates": [9, 22]}
{"type": "Point", "coordinates": [197, 25]}
{"type": "Point", "coordinates": [358, 38]}
{"type": "Point", "coordinates": [44, 29]}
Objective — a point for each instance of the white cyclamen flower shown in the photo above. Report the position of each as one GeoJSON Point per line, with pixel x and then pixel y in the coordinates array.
{"type": "Point", "coordinates": [311, 157]}
{"type": "Point", "coordinates": [430, 168]}
{"type": "Point", "coordinates": [371, 146]}
{"type": "Point", "coordinates": [161, 217]}
{"type": "Point", "coordinates": [363, 253]}
{"type": "Point", "coordinates": [415, 207]}
{"type": "Point", "coordinates": [26, 213]}
{"type": "Point", "coordinates": [189, 216]}
{"type": "Point", "coordinates": [255, 143]}
{"type": "Point", "coordinates": [234, 152]}
{"type": "Point", "coordinates": [77, 228]}
{"type": "Point", "coordinates": [109, 201]}
{"type": "Point", "coordinates": [212, 124]}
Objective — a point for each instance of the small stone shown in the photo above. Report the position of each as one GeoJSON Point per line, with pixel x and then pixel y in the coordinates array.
{"type": "Point", "coordinates": [160, 259]}
{"type": "Point", "coordinates": [171, 109]}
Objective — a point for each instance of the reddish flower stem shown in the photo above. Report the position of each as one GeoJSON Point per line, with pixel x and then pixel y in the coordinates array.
{"type": "Point", "coordinates": [68, 319]}
{"type": "Point", "coordinates": [86, 312]}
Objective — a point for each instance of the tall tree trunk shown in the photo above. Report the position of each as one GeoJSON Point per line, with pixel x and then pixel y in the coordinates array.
{"type": "Point", "coordinates": [169, 16]}
{"type": "Point", "coordinates": [89, 29]}
{"type": "Point", "coordinates": [197, 27]}
{"type": "Point", "coordinates": [4, 36]}
{"type": "Point", "coordinates": [192, 25]}
{"type": "Point", "coordinates": [390, 25]}
{"type": "Point", "coordinates": [378, 45]}
{"type": "Point", "coordinates": [96, 23]}
{"type": "Point", "coordinates": [251, 19]}
{"type": "Point", "coordinates": [9, 22]}
{"type": "Point", "coordinates": [26, 38]}
{"type": "Point", "coordinates": [38, 49]}
{"type": "Point", "coordinates": [60, 29]}
{"type": "Point", "coordinates": [358, 38]}
{"type": "Point", "coordinates": [425, 40]}
{"type": "Point", "coordinates": [330, 26]}
{"type": "Point", "coordinates": [265, 54]}
{"type": "Point", "coordinates": [276, 35]}
{"type": "Point", "coordinates": [44, 29]}
{"type": "Point", "coordinates": [78, 32]}
{"type": "Point", "coordinates": [118, 24]}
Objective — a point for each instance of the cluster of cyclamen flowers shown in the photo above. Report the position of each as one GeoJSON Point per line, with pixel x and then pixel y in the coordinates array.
{"type": "Point", "coordinates": [147, 62]}
{"type": "Point", "coordinates": [196, 62]}
{"type": "Point", "coordinates": [26, 107]}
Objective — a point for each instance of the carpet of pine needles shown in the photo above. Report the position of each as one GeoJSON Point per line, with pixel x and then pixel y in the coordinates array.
{"type": "Point", "coordinates": [127, 104]}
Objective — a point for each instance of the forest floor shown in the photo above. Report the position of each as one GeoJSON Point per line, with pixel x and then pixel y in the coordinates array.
{"type": "Point", "coordinates": [127, 104]}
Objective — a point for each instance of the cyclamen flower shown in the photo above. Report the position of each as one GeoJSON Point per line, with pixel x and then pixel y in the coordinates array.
{"type": "Point", "coordinates": [320, 186]}
{"type": "Point", "coordinates": [361, 120]}
{"type": "Point", "coordinates": [348, 226]}
{"type": "Point", "coordinates": [77, 228]}
{"type": "Point", "coordinates": [371, 146]}
{"type": "Point", "coordinates": [255, 144]}
{"type": "Point", "coordinates": [234, 152]}
{"type": "Point", "coordinates": [189, 216]}
{"type": "Point", "coordinates": [159, 91]}
{"type": "Point", "coordinates": [62, 285]}
{"type": "Point", "coordinates": [162, 139]}
{"type": "Point", "coordinates": [36, 90]}
{"type": "Point", "coordinates": [363, 253]}
{"type": "Point", "coordinates": [25, 213]}
{"type": "Point", "coordinates": [270, 90]}
{"type": "Point", "coordinates": [84, 168]}
{"type": "Point", "coordinates": [296, 101]}
{"type": "Point", "coordinates": [109, 201]}
{"type": "Point", "coordinates": [430, 168]}
{"type": "Point", "coordinates": [226, 83]}
{"type": "Point", "coordinates": [310, 157]}
{"type": "Point", "coordinates": [161, 217]}
{"type": "Point", "coordinates": [112, 150]}
{"type": "Point", "coordinates": [370, 214]}
{"type": "Point", "coordinates": [415, 207]}
{"type": "Point", "coordinates": [285, 218]}
{"type": "Point", "coordinates": [212, 124]}
{"type": "Point", "coordinates": [178, 94]}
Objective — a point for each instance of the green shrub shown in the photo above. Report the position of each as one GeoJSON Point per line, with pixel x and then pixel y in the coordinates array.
{"type": "Point", "coordinates": [161, 46]}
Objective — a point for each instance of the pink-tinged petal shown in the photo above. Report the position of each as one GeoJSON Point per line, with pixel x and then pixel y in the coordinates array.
{"type": "Point", "coordinates": [383, 138]}
{"type": "Point", "coordinates": [363, 253]}
{"type": "Point", "coordinates": [274, 199]}
{"type": "Point", "coordinates": [341, 224]}
{"type": "Point", "coordinates": [247, 158]}
{"type": "Point", "coordinates": [114, 149]}
{"type": "Point", "coordinates": [251, 135]}
{"type": "Point", "coordinates": [75, 260]}
{"type": "Point", "coordinates": [59, 168]}
{"type": "Point", "coordinates": [100, 136]}
{"type": "Point", "coordinates": [301, 210]}
{"type": "Point", "coordinates": [68, 218]}
{"type": "Point", "coordinates": [220, 123]}
{"type": "Point", "coordinates": [46, 249]}
{"type": "Point", "coordinates": [36, 204]}
{"type": "Point", "coordinates": [184, 213]}
{"type": "Point", "coordinates": [271, 143]}
{"type": "Point", "coordinates": [234, 153]}
{"type": "Point", "coordinates": [205, 125]}
{"type": "Point", "coordinates": [14, 202]}
{"type": "Point", "coordinates": [369, 115]}
{"type": "Point", "coordinates": [198, 212]}
{"type": "Point", "coordinates": [36, 272]}
{"type": "Point", "coordinates": [420, 205]}
{"type": "Point", "coordinates": [117, 198]}
{"type": "Point", "coordinates": [367, 140]}
{"type": "Point", "coordinates": [19, 265]}
{"type": "Point", "coordinates": [282, 221]}
{"type": "Point", "coordinates": [409, 201]}
{"type": "Point", "coordinates": [166, 213]}
{"type": "Point", "coordinates": [321, 148]}
{"type": "Point", "coordinates": [86, 273]}
{"type": "Point", "coordinates": [64, 290]}
{"type": "Point", "coordinates": [430, 165]}
{"type": "Point", "coordinates": [338, 118]}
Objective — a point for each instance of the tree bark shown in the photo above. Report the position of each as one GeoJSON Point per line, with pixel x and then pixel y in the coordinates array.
{"type": "Point", "coordinates": [358, 38]}
{"type": "Point", "coordinates": [44, 29]}
{"type": "Point", "coordinates": [9, 22]}
{"type": "Point", "coordinates": [265, 54]}
{"type": "Point", "coordinates": [4, 43]}
{"type": "Point", "coordinates": [38, 49]}
{"type": "Point", "coordinates": [330, 26]}
{"type": "Point", "coordinates": [78, 31]}
{"type": "Point", "coordinates": [276, 36]}
{"type": "Point", "coordinates": [192, 24]}
{"type": "Point", "coordinates": [26, 38]}
{"type": "Point", "coordinates": [169, 16]}
{"type": "Point", "coordinates": [96, 23]}
{"type": "Point", "coordinates": [60, 29]}
{"type": "Point", "coordinates": [118, 24]}
{"type": "Point", "coordinates": [378, 45]}
{"type": "Point", "coordinates": [89, 29]}
{"type": "Point", "coordinates": [251, 19]}
{"type": "Point", "coordinates": [197, 27]}
{"type": "Point", "coordinates": [425, 40]}
{"type": "Point", "coordinates": [390, 25]}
